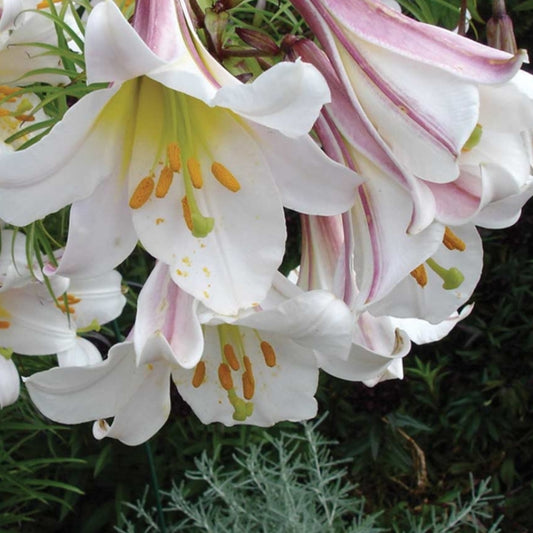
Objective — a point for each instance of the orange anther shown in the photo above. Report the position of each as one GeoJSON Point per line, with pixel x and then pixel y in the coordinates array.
{"type": "Point", "coordinates": [164, 182]}
{"type": "Point", "coordinates": [224, 376]}
{"type": "Point", "coordinates": [199, 375]}
{"type": "Point", "coordinates": [268, 353]}
{"type": "Point", "coordinates": [230, 356]}
{"type": "Point", "coordinates": [142, 192]}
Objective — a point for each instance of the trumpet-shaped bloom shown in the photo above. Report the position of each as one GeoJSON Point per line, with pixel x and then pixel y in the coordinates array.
{"type": "Point", "coordinates": [413, 86]}
{"type": "Point", "coordinates": [258, 368]}
{"type": "Point", "coordinates": [166, 155]}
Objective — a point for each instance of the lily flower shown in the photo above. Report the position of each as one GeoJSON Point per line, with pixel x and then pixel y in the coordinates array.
{"type": "Point", "coordinates": [30, 324]}
{"type": "Point", "coordinates": [198, 172]}
{"type": "Point", "coordinates": [258, 368]}
{"type": "Point", "coordinates": [414, 85]}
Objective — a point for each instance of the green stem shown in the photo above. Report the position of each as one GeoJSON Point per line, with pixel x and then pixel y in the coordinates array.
{"type": "Point", "coordinates": [155, 487]}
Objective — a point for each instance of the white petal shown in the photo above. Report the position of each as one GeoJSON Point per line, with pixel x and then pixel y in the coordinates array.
{"type": "Point", "coordinates": [62, 168]}
{"type": "Point", "coordinates": [101, 233]}
{"type": "Point", "coordinates": [83, 353]}
{"type": "Point", "coordinates": [287, 98]}
{"type": "Point", "coordinates": [9, 382]}
{"type": "Point", "coordinates": [101, 299]}
{"type": "Point", "coordinates": [72, 395]}
{"type": "Point", "coordinates": [36, 326]}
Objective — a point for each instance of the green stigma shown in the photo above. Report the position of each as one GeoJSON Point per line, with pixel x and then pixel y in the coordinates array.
{"type": "Point", "coordinates": [452, 277]}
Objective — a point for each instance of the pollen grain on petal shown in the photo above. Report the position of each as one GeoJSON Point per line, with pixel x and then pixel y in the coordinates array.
{"type": "Point", "coordinates": [4, 324]}
{"type": "Point", "coordinates": [268, 353]}
{"type": "Point", "coordinates": [225, 177]}
{"type": "Point", "coordinates": [420, 275]}
{"type": "Point", "coordinates": [142, 192]}
{"type": "Point", "coordinates": [224, 376]}
{"type": "Point", "coordinates": [195, 171]}
{"type": "Point", "coordinates": [231, 358]}
{"type": "Point", "coordinates": [164, 182]}
{"type": "Point", "coordinates": [452, 241]}
{"type": "Point", "coordinates": [186, 213]}
{"type": "Point", "coordinates": [199, 374]}
{"type": "Point", "coordinates": [174, 157]}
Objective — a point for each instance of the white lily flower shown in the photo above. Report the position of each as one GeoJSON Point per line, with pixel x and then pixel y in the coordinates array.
{"type": "Point", "coordinates": [197, 172]}
{"type": "Point", "coordinates": [258, 368]}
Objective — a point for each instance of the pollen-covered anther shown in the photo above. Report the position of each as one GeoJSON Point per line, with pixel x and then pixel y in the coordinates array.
{"type": "Point", "coordinates": [269, 354]}
{"type": "Point", "coordinates": [164, 182]}
{"type": "Point", "coordinates": [225, 177]}
{"type": "Point", "coordinates": [248, 385]}
{"type": "Point", "coordinates": [224, 376]}
{"type": "Point", "coordinates": [186, 212]}
{"type": "Point", "coordinates": [174, 157]}
{"type": "Point", "coordinates": [142, 192]}
{"type": "Point", "coordinates": [199, 375]}
{"type": "Point", "coordinates": [4, 324]}
{"type": "Point", "coordinates": [452, 241]}
{"type": "Point", "coordinates": [231, 358]}
{"type": "Point", "coordinates": [420, 275]}
{"type": "Point", "coordinates": [195, 172]}
{"type": "Point", "coordinates": [4, 112]}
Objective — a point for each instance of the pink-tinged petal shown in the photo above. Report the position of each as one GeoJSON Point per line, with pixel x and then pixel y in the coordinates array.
{"type": "Point", "coordinates": [287, 97]}
{"type": "Point", "coordinates": [101, 234]}
{"type": "Point", "coordinates": [97, 299]}
{"type": "Point", "coordinates": [458, 201]}
{"type": "Point", "coordinates": [322, 248]}
{"type": "Point", "coordinates": [423, 113]}
{"type": "Point", "coordinates": [422, 332]}
{"type": "Point", "coordinates": [378, 24]}
{"type": "Point", "coordinates": [284, 391]}
{"type": "Point", "coordinates": [9, 382]}
{"type": "Point", "coordinates": [377, 343]}
{"type": "Point", "coordinates": [233, 265]}
{"type": "Point", "coordinates": [344, 123]}
{"type": "Point", "coordinates": [157, 25]}
{"type": "Point", "coordinates": [308, 181]}
{"type": "Point", "coordinates": [83, 353]}
{"type": "Point", "coordinates": [169, 313]}
{"type": "Point", "coordinates": [72, 395]}
{"type": "Point", "coordinates": [114, 51]}
{"type": "Point", "coordinates": [384, 253]}
{"type": "Point", "coordinates": [42, 179]}
{"type": "Point", "coordinates": [32, 325]}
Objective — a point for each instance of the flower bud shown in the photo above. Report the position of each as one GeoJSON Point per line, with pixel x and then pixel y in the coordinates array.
{"type": "Point", "coordinates": [259, 40]}
{"type": "Point", "coordinates": [500, 32]}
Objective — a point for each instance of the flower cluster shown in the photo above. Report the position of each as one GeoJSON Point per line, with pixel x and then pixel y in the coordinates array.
{"type": "Point", "coordinates": [392, 140]}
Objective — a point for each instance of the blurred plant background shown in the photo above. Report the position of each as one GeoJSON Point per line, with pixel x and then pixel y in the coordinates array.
{"type": "Point", "coordinates": [449, 448]}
